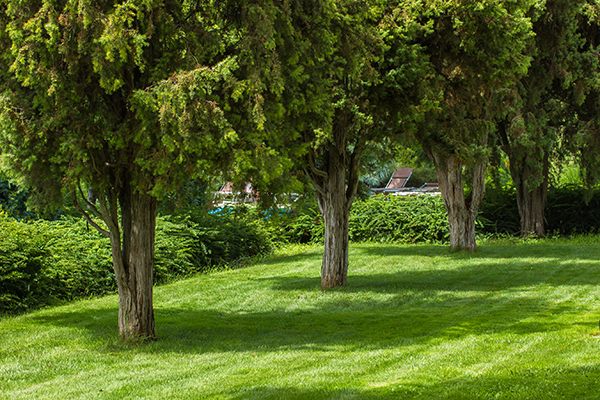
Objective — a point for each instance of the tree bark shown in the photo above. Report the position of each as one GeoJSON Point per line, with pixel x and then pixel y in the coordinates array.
{"type": "Point", "coordinates": [531, 202]}
{"type": "Point", "coordinates": [336, 182]}
{"type": "Point", "coordinates": [531, 197]}
{"type": "Point", "coordinates": [136, 313]}
{"type": "Point", "coordinates": [336, 213]}
{"type": "Point", "coordinates": [462, 211]}
{"type": "Point", "coordinates": [132, 244]}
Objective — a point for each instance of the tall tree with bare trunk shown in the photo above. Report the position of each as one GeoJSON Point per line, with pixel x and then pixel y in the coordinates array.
{"type": "Point", "coordinates": [469, 53]}
{"type": "Point", "coordinates": [130, 98]}
{"type": "Point", "coordinates": [548, 99]}
{"type": "Point", "coordinates": [323, 106]}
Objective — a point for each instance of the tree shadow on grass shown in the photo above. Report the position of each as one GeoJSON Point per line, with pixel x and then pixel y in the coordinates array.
{"type": "Point", "coordinates": [419, 305]}
{"type": "Point", "coordinates": [505, 251]}
{"type": "Point", "coordinates": [330, 323]}
{"type": "Point", "coordinates": [480, 276]}
{"type": "Point", "coordinates": [308, 254]}
{"type": "Point", "coordinates": [542, 383]}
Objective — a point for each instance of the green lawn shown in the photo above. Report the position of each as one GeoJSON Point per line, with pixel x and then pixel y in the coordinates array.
{"type": "Point", "coordinates": [515, 321]}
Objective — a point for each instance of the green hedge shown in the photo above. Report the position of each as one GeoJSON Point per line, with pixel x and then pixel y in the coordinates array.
{"type": "Point", "coordinates": [43, 262]}
{"type": "Point", "coordinates": [377, 219]}
{"type": "Point", "coordinates": [498, 213]}
{"type": "Point", "coordinates": [573, 210]}
{"type": "Point", "coordinates": [569, 210]}
{"type": "Point", "coordinates": [399, 219]}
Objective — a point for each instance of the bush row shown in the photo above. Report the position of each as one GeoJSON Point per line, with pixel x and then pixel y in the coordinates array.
{"type": "Point", "coordinates": [376, 219]}
{"type": "Point", "coordinates": [43, 262]}
{"type": "Point", "coordinates": [569, 210]}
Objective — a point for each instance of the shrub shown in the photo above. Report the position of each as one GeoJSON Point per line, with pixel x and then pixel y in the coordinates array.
{"type": "Point", "coordinates": [301, 225]}
{"type": "Point", "coordinates": [573, 210]}
{"type": "Point", "coordinates": [569, 210]}
{"type": "Point", "coordinates": [379, 219]}
{"type": "Point", "coordinates": [43, 262]}
{"type": "Point", "coordinates": [80, 261]}
{"type": "Point", "coordinates": [498, 213]}
{"type": "Point", "coordinates": [13, 200]}
{"type": "Point", "coordinates": [196, 241]}
{"type": "Point", "coordinates": [399, 219]}
{"type": "Point", "coordinates": [23, 257]}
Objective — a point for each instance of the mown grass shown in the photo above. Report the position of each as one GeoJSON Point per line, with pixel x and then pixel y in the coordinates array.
{"type": "Point", "coordinates": [517, 320]}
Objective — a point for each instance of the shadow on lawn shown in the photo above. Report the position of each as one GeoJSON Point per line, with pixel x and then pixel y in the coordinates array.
{"type": "Point", "coordinates": [352, 324]}
{"type": "Point", "coordinates": [574, 383]}
{"type": "Point", "coordinates": [504, 251]}
{"type": "Point", "coordinates": [420, 305]}
{"type": "Point", "coordinates": [476, 276]}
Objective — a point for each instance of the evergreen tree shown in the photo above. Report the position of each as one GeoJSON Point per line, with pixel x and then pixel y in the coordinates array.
{"type": "Point", "coordinates": [465, 54]}
{"type": "Point", "coordinates": [130, 98]}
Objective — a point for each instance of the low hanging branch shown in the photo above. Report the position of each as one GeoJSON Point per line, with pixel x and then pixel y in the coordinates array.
{"type": "Point", "coordinates": [86, 215]}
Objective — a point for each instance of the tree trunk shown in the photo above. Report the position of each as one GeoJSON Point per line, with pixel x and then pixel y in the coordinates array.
{"type": "Point", "coordinates": [336, 182]}
{"type": "Point", "coordinates": [336, 213]}
{"type": "Point", "coordinates": [133, 258]}
{"type": "Point", "coordinates": [531, 182]}
{"type": "Point", "coordinates": [462, 211]}
{"type": "Point", "coordinates": [136, 313]}
{"type": "Point", "coordinates": [531, 202]}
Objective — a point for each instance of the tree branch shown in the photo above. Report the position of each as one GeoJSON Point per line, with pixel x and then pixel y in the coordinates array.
{"type": "Point", "coordinates": [108, 217]}
{"type": "Point", "coordinates": [313, 180]}
{"type": "Point", "coordinates": [89, 204]}
{"type": "Point", "coordinates": [87, 216]}
{"type": "Point", "coordinates": [353, 167]}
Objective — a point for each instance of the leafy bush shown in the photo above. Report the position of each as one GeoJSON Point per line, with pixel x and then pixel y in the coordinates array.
{"type": "Point", "coordinates": [80, 261]}
{"type": "Point", "coordinates": [378, 219]}
{"type": "Point", "coordinates": [302, 225]}
{"type": "Point", "coordinates": [569, 210]}
{"type": "Point", "coordinates": [498, 213]}
{"type": "Point", "coordinates": [399, 219]}
{"type": "Point", "coordinates": [42, 262]}
{"type": "Point", "coordinates": [23, 257]}
{"type": "Point", "coordinates": [13, 200]}
{"type": "Point", "coordinates": [197, 241]}
{"type": "Point", "coordinates": [573, 210]}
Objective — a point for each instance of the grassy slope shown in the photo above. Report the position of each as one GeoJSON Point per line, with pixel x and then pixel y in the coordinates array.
{"type": "Point", "coordinates": [514, 321]}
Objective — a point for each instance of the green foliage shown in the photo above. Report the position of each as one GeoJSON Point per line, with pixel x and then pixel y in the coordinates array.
{"type": "Point", "coordinates": [227, 237]}
{"type": "Point", "coordinates": [194, 194]}
{"type": "Point", "coordinates": [422, 175]}
{"type": "Point", "coordinates": [397, 219]}
{"type": "Point", "coordinates": [569, 210]}
{"type": "Point", "coordinates": [13, 200]}
{"type": "Point", "coordinates": [23, 258]}
{"type": "Point", "coordinates": [302, 225]}
{"type": "Point", "coordinates": [42, 262]}
{"type": "Point", "coordinates": [498, 213]}
{"type": "Point", "coordinates": [573, 210]}
{"type": "Point", "coordinates": [456, 49]}
{"type": "Point", "coordinates": [393, 219]}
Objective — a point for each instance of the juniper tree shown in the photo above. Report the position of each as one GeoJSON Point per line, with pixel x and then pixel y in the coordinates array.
{"type": "Point", "coordinates": [130, 98]}
{"type": "Point", "coordinates": [325, 107]}
{"type": "Point", "coordinates": [547, 100]}
{"type": "Point", "coordinates": [468, 53]}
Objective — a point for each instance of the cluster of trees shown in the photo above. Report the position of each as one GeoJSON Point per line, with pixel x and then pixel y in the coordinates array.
{"type": "Point", "coordinates": [128, 99]}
